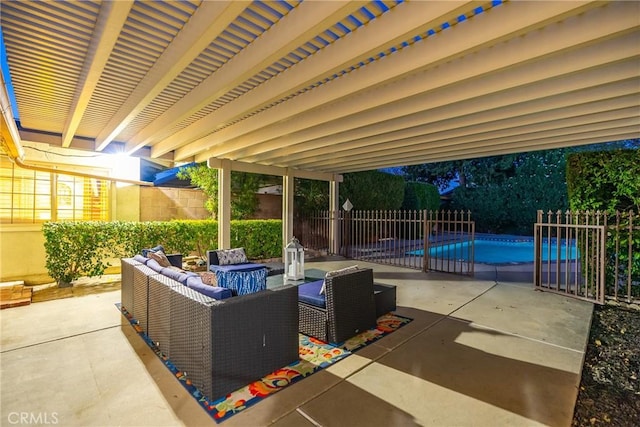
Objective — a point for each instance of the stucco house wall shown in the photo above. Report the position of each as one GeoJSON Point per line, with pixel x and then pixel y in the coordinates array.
{"type": "Point", "coordinates": [22, 254]}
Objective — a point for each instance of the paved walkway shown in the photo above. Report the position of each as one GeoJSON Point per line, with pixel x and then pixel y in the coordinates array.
{"type": "Point", "coordinates": [478, 353]}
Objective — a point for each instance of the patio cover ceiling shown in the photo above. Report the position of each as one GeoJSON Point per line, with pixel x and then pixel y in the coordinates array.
{"type": "Point", "coordinates": [324, 86]}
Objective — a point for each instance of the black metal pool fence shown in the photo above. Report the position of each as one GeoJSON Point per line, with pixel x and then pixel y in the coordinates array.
{"type": "Point", "coordinates": [609, 266]}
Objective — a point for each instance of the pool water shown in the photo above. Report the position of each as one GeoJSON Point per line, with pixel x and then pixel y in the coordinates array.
{"type": "Point", "coordinates": [499, 251]}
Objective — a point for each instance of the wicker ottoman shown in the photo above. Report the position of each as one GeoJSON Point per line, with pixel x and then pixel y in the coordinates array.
{"type": "Point", "coordinates": [385, 297]}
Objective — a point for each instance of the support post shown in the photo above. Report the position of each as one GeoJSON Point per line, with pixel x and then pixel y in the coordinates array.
{"type": "Point", "coordinates": [334, 209]}
{"type": "Point", "coordinates": [287, 209]}
{"type": "Point", "coordinates": [224, 204]}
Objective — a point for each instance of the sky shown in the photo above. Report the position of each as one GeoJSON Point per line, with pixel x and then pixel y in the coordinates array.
{"type": "Point", "coordinates": [5, 72]}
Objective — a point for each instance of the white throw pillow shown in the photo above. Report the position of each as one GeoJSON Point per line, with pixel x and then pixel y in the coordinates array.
{"type": "Point", "coordinates": [231, 256]}
{"type": "Point", "coordinates": [335, 273]}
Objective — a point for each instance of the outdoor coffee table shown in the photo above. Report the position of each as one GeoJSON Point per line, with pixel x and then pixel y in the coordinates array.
{"type": "Point", "coordinates": [310, 275]}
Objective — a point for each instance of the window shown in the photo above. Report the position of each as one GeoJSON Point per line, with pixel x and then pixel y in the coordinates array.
{"type": "Point", "coordinates": [30, 197]}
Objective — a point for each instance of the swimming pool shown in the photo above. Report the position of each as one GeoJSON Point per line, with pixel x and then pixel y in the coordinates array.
{"type": "Point", "coordinates": [499, 251]}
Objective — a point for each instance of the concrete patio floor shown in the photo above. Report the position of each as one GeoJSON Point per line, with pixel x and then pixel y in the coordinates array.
{"type": "Point", "coordinates": [478, 353]}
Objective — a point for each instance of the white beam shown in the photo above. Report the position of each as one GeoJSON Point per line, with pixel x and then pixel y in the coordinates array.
{"type": "Point", "coordinates": [510, 128]}
{"type": "Point", "coordinates": [483, 121]}
{"type": "Point", "coordinates": [572, 88]}
{"type": "Point", "coordinates": [373, 121]}
{"type": "Point", "coordinates": [545, 145]}
{"type": "Point", "coordinates": [532, 143]}
{"type": "Point", "coordinates": [302, 23]}
{"type": "Point", "coordinates": [433, 144]}
{"type": "Point", "coordinates": [366, 41]}
{"type": "Point", "coordinates": [209, 20]}
{"type": "Point", "coordinates": [111, 19]}
{"type": "Point", "coordinates": [10, 140]}
{"type": "Point", "coordinates": [215, 163]}
{"type": "Point", "coordinates": [490, 29]}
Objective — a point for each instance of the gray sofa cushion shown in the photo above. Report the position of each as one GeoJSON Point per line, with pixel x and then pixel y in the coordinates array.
{"type": "Point", "coordinates": [141, 259]}
{"type": "Point", "coordinates": [153, 264]}
{"type": "Point", "coordinates": [175, 274]}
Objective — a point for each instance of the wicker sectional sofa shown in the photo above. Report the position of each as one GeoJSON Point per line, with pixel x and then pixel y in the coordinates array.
{"type": "Point", "coordinates": [221, 344]}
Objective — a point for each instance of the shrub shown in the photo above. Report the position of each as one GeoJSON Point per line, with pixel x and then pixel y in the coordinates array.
{"type": "Point", "coordinates": [373, 190]}
{"type": "Point", "coordinates": [420, 195]}
{"type": "Point", "coordinates": [265, 237]}
{"type": "Point", "coordinates": [609, 181]}
{"type": "Point", "coordinates": [76, 249]}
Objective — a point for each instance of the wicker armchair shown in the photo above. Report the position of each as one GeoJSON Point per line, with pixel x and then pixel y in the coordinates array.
{"type": "Point", "coordinates": [349, 307]}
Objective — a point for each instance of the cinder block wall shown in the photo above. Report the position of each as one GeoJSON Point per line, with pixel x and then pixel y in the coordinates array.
{"type": "Point", "coordinates": [164, 204]}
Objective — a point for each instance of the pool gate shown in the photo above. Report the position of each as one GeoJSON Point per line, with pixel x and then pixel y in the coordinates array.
{"type": "Point", "coordinates": [449, 242]}
{"type": "Point", "coordinates": [596, 255]}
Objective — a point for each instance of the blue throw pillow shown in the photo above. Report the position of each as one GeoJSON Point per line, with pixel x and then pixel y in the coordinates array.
{"type": "Point", "coordinates": [159, 248]}
{"type": "Point", "coordinates": [213, 258]}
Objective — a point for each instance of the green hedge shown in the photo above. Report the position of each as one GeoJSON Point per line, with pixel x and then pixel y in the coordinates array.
{"type": "Point", "coordinates": [261, 239]}
{"type": "Point", "coordinates": [609, 181]}
{"type": "Point", "coordinates": [421, 195]}
{"type": "Point", "coordinates": [604, 180]}
{"type": "Point", "coordinates": [372, 190]}
{"type": "Point", "coordinates": [77, 249]}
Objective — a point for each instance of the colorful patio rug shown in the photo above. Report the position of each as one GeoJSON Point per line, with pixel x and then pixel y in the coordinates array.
{"type": "Point", "coordinates": [314, 356]}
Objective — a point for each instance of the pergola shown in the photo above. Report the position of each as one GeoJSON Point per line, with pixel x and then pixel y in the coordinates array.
{"type": "Point", "coordinates": [315, 89]}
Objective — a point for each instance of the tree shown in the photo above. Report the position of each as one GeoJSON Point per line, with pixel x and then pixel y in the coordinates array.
{"type": "Point", "coordinates": [467, 172]}
{"type": "Point", "coordinates": [504, 192]}
{"type": "Point", "coordinates": [440, 174]}
{"type": "Point", "coordinates": [606, 181]}
{"type": "Point", "coordinates": [244, 186]}
{"type": "Point", "coordinates": [205, 179]}
{"type": "Point", "coordinates": [506, 197]}
{"type": "Point", "coordinates": [481, 171]}
{"type": "Point", "coordinates": [310, 196]}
